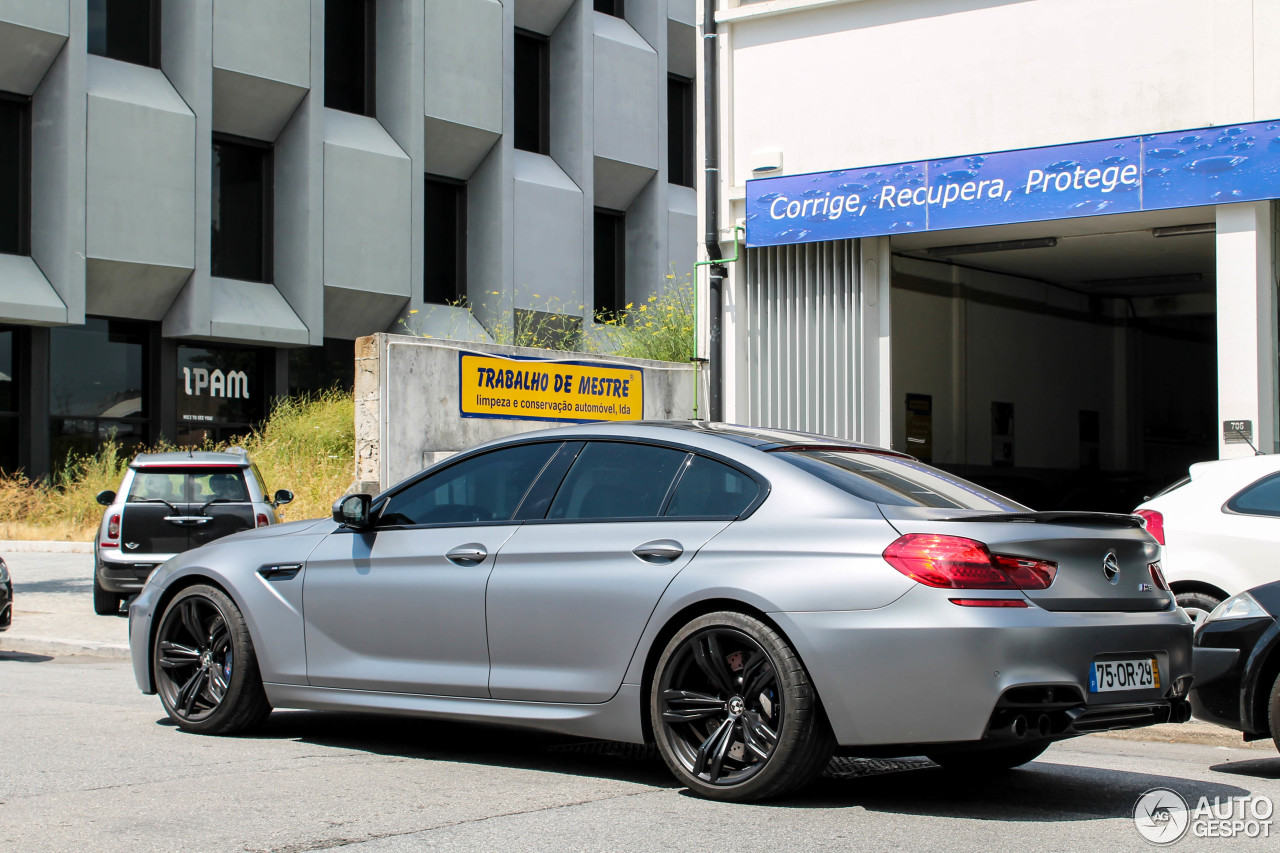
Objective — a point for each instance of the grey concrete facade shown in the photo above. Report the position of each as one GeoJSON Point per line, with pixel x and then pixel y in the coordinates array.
{"type": "Point", "coordinates": [121, 186]}
{"type": "Point", "coordinates": [121, 167]}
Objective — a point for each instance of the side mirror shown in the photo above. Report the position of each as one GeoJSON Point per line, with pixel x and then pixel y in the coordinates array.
{"type": "Point", "coordinates": [283, 496]}
{"type": "Point", "coordinates": [106, 497]}
{"type": "Point", "coordinates": [353, 511]}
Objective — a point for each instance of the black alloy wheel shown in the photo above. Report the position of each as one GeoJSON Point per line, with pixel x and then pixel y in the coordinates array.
{"type": "Point", "coordinates": [734, 713]}
{"type": "Point", "coordinates": [204, 667]}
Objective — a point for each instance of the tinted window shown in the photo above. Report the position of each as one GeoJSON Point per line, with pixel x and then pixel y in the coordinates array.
{"type": "Point", "coordinates": [227, 485]}
{"type": "Point", "coordinates": [710, 488]}
{"type": "Point", "coordinates": [241, 224]}
{"type": "Point", "coordinates": [532, 102]}
{"type": "Point", "coordinates": [895, 480]}
{"type": "Point", "coordinates": [610, 261]}
{"type": "Point", "coordinates": [348, 56]}
{"type": "Point", "coordinates": [680, 131]}
{"type": "Point", "coordinates": [15, 184]}
{"type": "Point", "coordinates": [127, 30]}
{"type": "Point", "coordinates": [445, 241]}
{"type": "Point", "coordinates": [617, 480]}
{"type": "Point", "coordinates": [1262, 498]}
{"type": "Point", "coordinates": [484, 488]}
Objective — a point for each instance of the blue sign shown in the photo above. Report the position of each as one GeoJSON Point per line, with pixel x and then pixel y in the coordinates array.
{"type": "Point", "coordinates": [1215, 165]}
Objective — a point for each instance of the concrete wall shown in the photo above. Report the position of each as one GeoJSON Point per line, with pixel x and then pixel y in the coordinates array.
{"type": "Point", "coordinates": [407, 402]}
{"type": "Point", "coordinates": [122, 163]}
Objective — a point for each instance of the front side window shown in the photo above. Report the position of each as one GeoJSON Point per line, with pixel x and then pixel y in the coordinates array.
{"type": "Point", "coordinates": [710, 489]}
{"type": "Point", "coordinates": [485, 488]}
{"type": "Point", "coordinates": [15, 174]}
{"type": "Point", "coordinates": [617, 480]}
{"type": "Point", "coordinates": [241, 225]}
{"type": "Point", "coordinates": [895, 480]}
{"type": "Point", "coordinates": [127, 30]}
{"type": "Point", "coordinates": [1261, 498]}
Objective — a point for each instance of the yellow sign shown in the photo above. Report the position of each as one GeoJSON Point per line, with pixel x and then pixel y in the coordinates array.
{"type": "Point", "coordinates": [527, 389]}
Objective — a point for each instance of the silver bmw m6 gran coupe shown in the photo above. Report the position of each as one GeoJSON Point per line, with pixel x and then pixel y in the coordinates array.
{"type": "Point", "coordinates": [749, 600]}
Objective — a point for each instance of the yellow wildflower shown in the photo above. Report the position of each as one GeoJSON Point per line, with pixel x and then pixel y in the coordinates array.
{"type": "Point", "coordinates": [413, 310]}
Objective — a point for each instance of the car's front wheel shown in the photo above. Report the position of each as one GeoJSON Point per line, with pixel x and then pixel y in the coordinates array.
{"type": "Point", "coordinates": [204, 665]}
{"type": "Point", "coordinates": [991, 760]}
{"type": "Point", "coordinates": [734, 712]}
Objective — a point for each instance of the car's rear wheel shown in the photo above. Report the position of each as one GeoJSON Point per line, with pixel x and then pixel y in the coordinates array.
{"type": "Point", "coordinates": [1197, 604]}
{"type": "Point", "coordinates": [104, 603]}
{"type": "Point", "coordinates": [991, 760]}
{"type": "Point", "coordinates": [734, 712]}
{"type": "Point", "coordinates": [204, 665]}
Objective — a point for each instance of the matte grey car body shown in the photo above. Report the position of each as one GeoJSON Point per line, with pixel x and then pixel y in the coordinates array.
{"type": "Point", "coordinates": [559, 624]}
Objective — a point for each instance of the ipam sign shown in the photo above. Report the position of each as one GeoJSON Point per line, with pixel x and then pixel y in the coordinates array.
{"type": "Point", "coordinates": [1208, 166]}
{"type": "Point", "coordinates": [197, 380]}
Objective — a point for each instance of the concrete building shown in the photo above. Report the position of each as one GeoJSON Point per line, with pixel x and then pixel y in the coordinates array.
{"type": "Point", "coordinates": [1075, 338]}
{"type": "Point", "coordinates": [204, 202]}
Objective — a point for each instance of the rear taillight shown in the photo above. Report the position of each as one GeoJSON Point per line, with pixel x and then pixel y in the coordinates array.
{"type": "Point", "coordinates": [953, 562]}
{"type": "Point", "coordinates": [1157, 577]}
{"type": "Point", "coordinates": [262, 519]}
{"type": "Point", "coordinates": [1154, 522]}
{"type": "Point", "coordinates": [113, 527]}
{"type": "Point", "coordinates": [990, 602]}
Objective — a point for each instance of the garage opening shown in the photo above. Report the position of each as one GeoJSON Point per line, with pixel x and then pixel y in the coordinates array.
{"type": "Point", "coordinates": [1068, 364]}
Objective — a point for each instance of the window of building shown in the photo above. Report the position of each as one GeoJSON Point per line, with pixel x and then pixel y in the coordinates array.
{"type": "Point", "coordinates": [445, 241]}
{"type": "Point", "coordinates": [591, 490]}
{"type": "Point", "coordinates": [680, 130]}
{"type": "Point", "coordinates": [349, 55]}
{"type": "Point", "coordinates": [610, 7]}
{"type": "Point", "coordinates": [533, 98]}
{"type": "Point", "coordinates": [98, 386]}
{"type": "Point", "coordinates": [610, 261]}
{"type": "Point", "coordinates": [316, 369]}
{"type": "Point", "coordinates": [485, 488]}
{"type": "Point", "coordinates": [221, 392]}
{"type": "Point", "coordinates": [127, 30]}
{"type": "Point", "coordinates": [9, 400]}
{"type": "Point", "coordinates": [15, 175]}
{"type": "Point", "coordinates": [242, 224]}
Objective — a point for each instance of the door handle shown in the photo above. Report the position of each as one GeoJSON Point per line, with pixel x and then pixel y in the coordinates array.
{"type": "Point", "coordinates": [471, 554]}
{"type": "Point", "coordinates": [188, 519]}
{"type": "Point", "coordinates": [659, 551]}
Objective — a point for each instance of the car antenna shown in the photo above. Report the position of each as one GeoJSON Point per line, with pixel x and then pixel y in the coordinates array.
{"type": "Point", "coordinates": [1245, 436]}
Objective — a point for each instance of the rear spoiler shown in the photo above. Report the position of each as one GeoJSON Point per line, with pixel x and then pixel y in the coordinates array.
{"type": "Point", "coordinates": [1099, 519]}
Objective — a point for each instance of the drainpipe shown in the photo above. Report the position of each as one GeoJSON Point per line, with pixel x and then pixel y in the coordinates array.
{"type": "Point", "coordinates": [711, 154]}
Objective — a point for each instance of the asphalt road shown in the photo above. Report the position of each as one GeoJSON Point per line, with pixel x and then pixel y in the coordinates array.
{"type": "Point", "coordinates": [88, 763]}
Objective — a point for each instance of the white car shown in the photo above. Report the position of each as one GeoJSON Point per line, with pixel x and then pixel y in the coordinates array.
{"type": "Point", "coordinates": [1220, 528]}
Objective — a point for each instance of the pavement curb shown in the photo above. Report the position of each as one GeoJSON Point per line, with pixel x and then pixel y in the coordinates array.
{"type": "Point", "coordinates": [56, 646]}
{"type": "Point", "coordinates": [14, 546]}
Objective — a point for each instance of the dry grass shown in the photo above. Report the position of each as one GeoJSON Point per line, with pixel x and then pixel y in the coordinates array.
{"type": "Point", "coordinates": [306, 446]}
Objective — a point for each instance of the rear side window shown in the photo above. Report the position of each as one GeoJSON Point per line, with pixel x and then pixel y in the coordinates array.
{"type": "Point", "coordinates": [895, 481]}
{"type": "Point", "coordinates": [617, 480]}
{"type": "Point", "coordinates": [711, 489]}
{"type": "Point", "coordinates": [1261, 498]}
{"type": "Point", "coordinates": [483, 488]}
{"type": "Point", "coordinates": [224, 485]}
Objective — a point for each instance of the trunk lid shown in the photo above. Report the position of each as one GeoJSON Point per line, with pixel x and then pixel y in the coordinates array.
{"type": "Point", "coordinates": [1080, 543]}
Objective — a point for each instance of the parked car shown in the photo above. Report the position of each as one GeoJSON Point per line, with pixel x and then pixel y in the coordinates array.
{"type": "Point", "coordinates": [1220, 528]}
{"type": "Point", "coordinates": [6, 596]}
{"type": "Point", "coordinates": [1237, 664]}
{"type": "Point", "coordinates": [169, 503]}
{"type": "Point", "coordinates": [751, 600]}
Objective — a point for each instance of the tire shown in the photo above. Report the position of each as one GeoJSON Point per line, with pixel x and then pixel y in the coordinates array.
{"type": "Point", "coordinates": [726, 739]}
{"type": "Point", "coordinates": [1274, 715]}
{"type": "Point", "coordinates": [104, 603]}
{"type": "Point", "coordinates": [995, 760]}
{"type": "Point", "coordinates": [1197, 602]}
{"type": "Point", "coordinates": [204, 666]}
